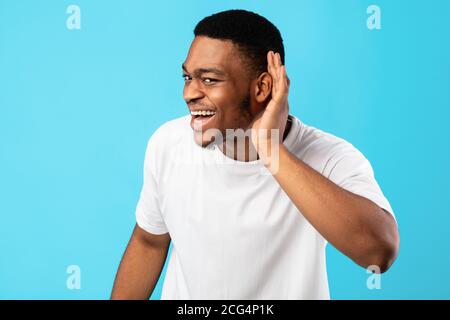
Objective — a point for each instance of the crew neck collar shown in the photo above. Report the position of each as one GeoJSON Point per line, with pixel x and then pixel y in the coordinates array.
{"type": "Point", "coordinates": [251, 167]}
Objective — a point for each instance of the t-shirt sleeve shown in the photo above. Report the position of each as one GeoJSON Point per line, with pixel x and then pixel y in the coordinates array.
{"type": "Point", "coordinates": [148, 213]}
{"type": "Point", "coordinates": [352, 171]}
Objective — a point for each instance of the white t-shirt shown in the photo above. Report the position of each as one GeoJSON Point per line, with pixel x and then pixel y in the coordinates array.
{"type": "Point", "coordinates": [235, 233]}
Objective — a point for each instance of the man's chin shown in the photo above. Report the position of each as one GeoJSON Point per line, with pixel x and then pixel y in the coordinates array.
{"type": "Point", "coordinates": [202, 139]}
{"type": "Point", "coordinates": [205, 138]}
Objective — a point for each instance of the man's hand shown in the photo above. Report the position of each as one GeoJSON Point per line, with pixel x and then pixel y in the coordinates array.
{"type": "Point", "coordinates": [275, 115]}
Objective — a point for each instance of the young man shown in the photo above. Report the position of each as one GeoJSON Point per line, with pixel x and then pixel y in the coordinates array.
{"type": "Point", "coordinates": [246, 226]}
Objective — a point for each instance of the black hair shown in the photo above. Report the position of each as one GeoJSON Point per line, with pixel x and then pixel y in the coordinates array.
{"type": "Point", "coordinates": [253, 35]}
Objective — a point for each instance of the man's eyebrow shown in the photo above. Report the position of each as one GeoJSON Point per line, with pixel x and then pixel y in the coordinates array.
{"type": "Point", "coordinates": [199, 71]}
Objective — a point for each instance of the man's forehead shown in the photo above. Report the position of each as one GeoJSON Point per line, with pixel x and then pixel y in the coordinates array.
{"type": "Point", "coordinates": [208, 53]}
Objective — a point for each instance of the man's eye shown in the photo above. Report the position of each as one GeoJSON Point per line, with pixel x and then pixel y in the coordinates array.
{"type": "Point", "coordinates": [209, 80]}
{"type": "Point", "coordinates": [186, 77]}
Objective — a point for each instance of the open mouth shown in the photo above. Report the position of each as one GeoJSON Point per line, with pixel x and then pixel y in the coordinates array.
{"type": "Point", "coordinates": [201, 118]}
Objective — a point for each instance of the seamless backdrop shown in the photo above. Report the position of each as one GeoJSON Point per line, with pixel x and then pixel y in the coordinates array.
{"type": "Point", "coordinates": [77, 107]}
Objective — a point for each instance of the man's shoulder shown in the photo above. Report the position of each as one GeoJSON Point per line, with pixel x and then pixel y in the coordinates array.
{"type": "Point", "coordinates": [167, 137]}
{"type": "Point", "coordinates": [177, 125]}
{"type": "Point", "coordinates": [171, 131]}
{"type": "Point", "coordinates": [317, 139]}
{"type": "Point", "coordinates": [319, 148]}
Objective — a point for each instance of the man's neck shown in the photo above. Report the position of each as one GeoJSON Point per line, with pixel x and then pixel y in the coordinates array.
{"type": "Point", "coordinates": [250, 155]}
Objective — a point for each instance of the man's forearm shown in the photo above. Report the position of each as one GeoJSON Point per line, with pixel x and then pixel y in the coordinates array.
{"type": "Point", "coordinates": [354, 225]}
{"type": "Point", "coordinates": [139, 270]}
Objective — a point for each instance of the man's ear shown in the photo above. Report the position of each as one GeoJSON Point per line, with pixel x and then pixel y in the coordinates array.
{"type": "Point", "coordinates": [263, 87]}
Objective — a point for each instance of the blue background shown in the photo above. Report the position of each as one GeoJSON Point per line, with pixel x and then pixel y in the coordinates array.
{"type": "Point", "coordinates": [77, 108]}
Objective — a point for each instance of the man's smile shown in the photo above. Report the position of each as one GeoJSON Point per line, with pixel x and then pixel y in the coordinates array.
{"type": "Point", "coordinates": [201, 118]}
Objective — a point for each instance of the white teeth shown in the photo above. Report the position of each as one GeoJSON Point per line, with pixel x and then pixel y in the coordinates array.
{"type": "Point", "coordinates": [203, 113]}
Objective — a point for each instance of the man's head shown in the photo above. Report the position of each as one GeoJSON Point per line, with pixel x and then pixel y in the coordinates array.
{"type": "Point", "coordinates": [226, 70]}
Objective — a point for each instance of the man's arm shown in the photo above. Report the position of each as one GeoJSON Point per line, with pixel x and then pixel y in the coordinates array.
{"type": "Point", "coordinates": [353, 224]}
{"type": "Point", "coordinates": [141, 265]}
{"type": "Point", "coordinates": [356, 226]}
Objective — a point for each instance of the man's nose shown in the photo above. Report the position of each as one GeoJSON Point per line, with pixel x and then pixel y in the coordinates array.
{"type": "Point", "coordinates": [192, 91]}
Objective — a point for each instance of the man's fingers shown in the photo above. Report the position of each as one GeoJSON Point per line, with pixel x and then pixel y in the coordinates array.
{"type": "Point", "coordinates": [270, 66]}
{"type": "Point", "coordinates": [275, 75]}
{"type": "Point", "coordinates": [269, 62]}
{"type": "Point", "coordinates": [280, 80]}
{"type": "Point", "coordinates": [287, 82]}
{"type": "Point", "coordinates": [284, 77]}
{"type": "Point", "coordinates": [278, 59]}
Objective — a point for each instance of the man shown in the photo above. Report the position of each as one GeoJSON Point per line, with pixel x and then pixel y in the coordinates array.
{"type": "Point", "coordinates": [246, 226]}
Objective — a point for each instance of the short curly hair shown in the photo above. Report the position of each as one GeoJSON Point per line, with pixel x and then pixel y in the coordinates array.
{"type": "Point", "coordinates": [253, 35]}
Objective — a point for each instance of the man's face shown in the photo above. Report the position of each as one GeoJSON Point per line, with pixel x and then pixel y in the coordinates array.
{"type": "Point", "coordinates": [217, 82]}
